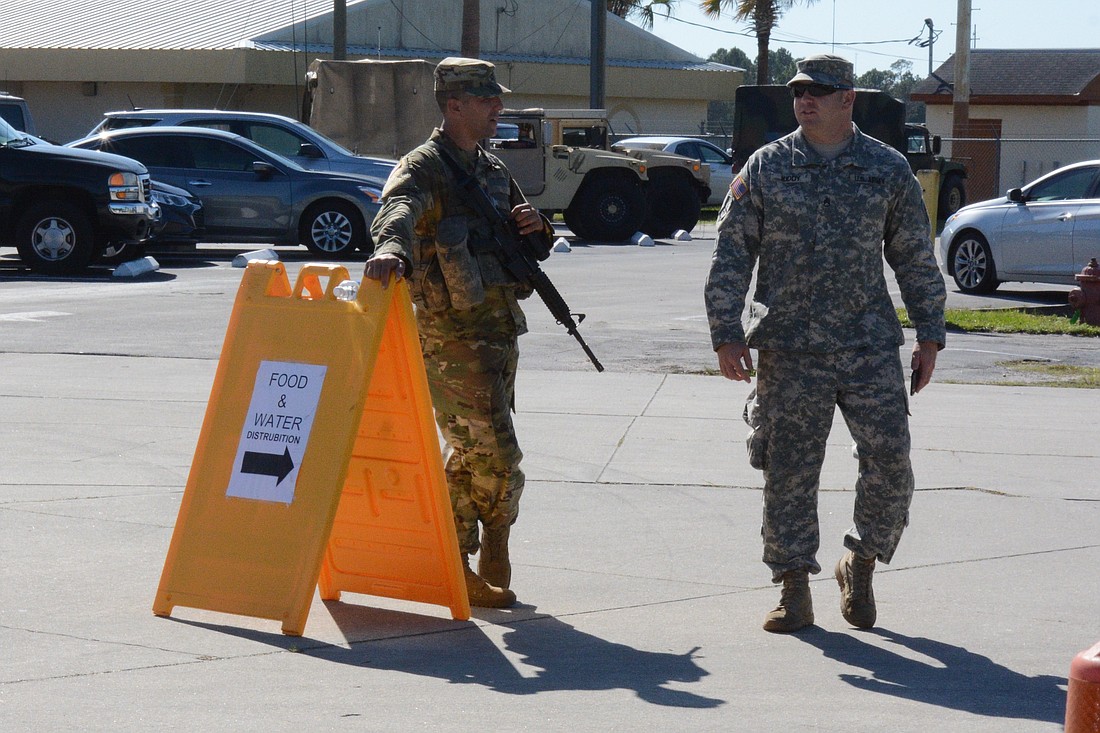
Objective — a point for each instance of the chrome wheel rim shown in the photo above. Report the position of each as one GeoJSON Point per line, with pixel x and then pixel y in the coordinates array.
{"type": "Point", "coordinates": [971, 263]}
{"type": "Point", "coordinates": [53, 239]}
{"type": "Point", "coordinates": [331, 231]}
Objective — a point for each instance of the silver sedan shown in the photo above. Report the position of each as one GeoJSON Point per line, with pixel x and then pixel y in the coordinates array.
{"type": "Point", "coordinates": [1045, 232]}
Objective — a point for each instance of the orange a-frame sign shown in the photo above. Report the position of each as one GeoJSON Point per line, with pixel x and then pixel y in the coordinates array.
{"type": "Point", "coordinates": [319, 416]}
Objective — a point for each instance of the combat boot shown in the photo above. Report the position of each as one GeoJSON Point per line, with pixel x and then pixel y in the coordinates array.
{"type": "Point", "coordinates": [481, 593]}
{"type": "Point", "coordinates": [857, 599]}
{"type": "Point", "coordinates": [492, 560]}
{"type": "Point", "coordinates": [796, 608]}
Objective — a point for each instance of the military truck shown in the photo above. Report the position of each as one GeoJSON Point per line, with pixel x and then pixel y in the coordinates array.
{"type": "Point", "coordinates": [765, 113]}
{"type": "Point", "coordinates": [561, 159]}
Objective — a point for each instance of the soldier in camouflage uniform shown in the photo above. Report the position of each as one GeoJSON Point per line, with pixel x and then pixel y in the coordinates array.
{"type": "Point", "coordinates": [467, 310]}
{"type": "Point", "coordinates": [816, 211]}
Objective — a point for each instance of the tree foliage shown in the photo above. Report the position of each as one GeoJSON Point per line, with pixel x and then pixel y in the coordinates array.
{"type": "Point", "coordinates": [897, 81]}
{"type": "Point", "coordinates": [642, 11]}
{"type": "Point", "coordinates": [763, 15]}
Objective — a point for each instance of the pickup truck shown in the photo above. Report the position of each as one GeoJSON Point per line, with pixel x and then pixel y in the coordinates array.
{"type": "Point", "coordinates": [63, 208]}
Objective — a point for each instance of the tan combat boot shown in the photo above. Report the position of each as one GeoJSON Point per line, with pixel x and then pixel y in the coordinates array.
{"type": "Point", "coordinates": [857, 600]}
{"type": "Point", "coordinates": [492, 560]}
{"type": "Point", "coordinates": [481, 593]}
{"type": "Point", "coordinates": [796, 608]}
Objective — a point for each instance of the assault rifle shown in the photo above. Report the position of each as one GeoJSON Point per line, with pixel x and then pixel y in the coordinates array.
{"type": "Point", "coordinates": [520, 256]}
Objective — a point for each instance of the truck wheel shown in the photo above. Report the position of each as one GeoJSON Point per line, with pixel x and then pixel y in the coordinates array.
{"type": "Point", "coordinates": [332, 229]}
{"type": "Point", "coordinates": [952, 197]}
{"type": "Point", "coordinates": [607, 209]}
{"type": "Point", "coordinates": [55, 237]}
{"type": "Point", "coordinates": [971, 263]}
{"type": "Point", "coordinates": [672, 203]}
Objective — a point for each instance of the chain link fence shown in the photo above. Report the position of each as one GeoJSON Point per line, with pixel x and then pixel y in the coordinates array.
{"type": "Point", "coordinates": [995, 165]}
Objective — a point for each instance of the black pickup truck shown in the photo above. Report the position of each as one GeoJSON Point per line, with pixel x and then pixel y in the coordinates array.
{"type": "Point", "coordinates": [62, 208]}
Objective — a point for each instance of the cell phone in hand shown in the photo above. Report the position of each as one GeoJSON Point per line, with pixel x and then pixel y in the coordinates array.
{"type": "Point", "coordinates": [913, 379]}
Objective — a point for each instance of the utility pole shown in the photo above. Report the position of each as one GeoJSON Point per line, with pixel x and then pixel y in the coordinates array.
{"type": "Point", "coordinates": [598, 50]}
{"type": "Point", "coordinates": [931, 40]}
{"type": "Point", "coordinates": [340, 30]}
{"type": "Point", "coordinates": [961, 102]}
{"type": "Point", "coordinates": [471, 29]}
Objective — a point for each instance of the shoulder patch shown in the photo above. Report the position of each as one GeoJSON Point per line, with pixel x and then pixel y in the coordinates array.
{"type": "Point", "coordinates": [738, 188]}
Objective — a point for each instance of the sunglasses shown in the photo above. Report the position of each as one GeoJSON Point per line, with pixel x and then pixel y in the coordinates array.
{"type": "Point", "coordinates": [815, 90]}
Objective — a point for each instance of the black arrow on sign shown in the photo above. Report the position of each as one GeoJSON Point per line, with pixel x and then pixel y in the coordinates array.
{"type": "Point", "coordinates": [268, 464]}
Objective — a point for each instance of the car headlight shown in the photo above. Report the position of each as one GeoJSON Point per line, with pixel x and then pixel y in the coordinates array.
{"type": "Point", "coordinates": [124, 186]}
{"type": "Point", "coordinates": [169, 199]}
{"type": "Point", "coordinates": [372, 193]}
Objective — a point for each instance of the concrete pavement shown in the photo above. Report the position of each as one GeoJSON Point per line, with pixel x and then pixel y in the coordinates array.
{"type": "Point", "coordinates": [636, 563]}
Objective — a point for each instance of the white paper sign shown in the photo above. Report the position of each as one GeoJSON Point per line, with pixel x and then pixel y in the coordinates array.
{"type": "Point", "coordinates": [276, 431]}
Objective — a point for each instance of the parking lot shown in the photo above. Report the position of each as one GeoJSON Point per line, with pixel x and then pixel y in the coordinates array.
{"type": "Point", "coordinates": [636, 557]}
{"type": "Point", "coordinates": [643, 306]}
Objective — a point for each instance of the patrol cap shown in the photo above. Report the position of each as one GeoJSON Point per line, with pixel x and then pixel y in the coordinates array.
{"type": "Point", "coordinates": [834, 71]}
{"type": "Point", "coordinates": [473, 76]}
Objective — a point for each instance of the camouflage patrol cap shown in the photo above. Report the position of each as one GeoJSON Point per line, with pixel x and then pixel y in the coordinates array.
{"type": "Point", "coordinates": [473, 76]}
{"type": "Point", "coordinates": [834, 71]}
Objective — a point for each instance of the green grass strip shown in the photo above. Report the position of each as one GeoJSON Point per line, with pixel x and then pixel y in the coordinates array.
{"type": "Point", "coordinates": [1009, 320]}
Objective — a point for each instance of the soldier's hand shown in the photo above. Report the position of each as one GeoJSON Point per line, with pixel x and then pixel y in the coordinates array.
{"type": "Point", "coordinates": [735, 361]}
{"type": "Point", "coordinates": [527, 218]}
{"type": "Point", "coordinates": [923, 363]}
{"type": "Point", "coordinates": [381, 267]}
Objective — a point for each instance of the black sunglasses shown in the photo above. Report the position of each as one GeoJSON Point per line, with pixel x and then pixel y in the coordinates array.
{"type": "Point", "coordinates": [815, 90]}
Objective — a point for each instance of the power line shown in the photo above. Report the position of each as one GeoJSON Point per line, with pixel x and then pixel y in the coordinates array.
{"type": "Point", "coordinates": [804, 41]}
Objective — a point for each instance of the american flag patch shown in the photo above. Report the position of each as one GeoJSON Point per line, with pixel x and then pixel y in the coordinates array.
{"type": "Point", "coordinates": [738, 188]}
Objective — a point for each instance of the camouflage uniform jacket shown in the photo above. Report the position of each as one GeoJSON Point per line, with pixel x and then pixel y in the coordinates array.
{"type": "Point", "coordinates": [421, 194]}
{"type": "Point", "coordinates": [819, 230]}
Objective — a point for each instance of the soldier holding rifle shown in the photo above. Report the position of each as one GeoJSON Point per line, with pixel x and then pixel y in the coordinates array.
{"type": "Point", "coordinates": [467, 309]}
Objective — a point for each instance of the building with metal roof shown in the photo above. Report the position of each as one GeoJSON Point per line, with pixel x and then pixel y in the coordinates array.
{"type": "Point", "coordinates": [75, 59]}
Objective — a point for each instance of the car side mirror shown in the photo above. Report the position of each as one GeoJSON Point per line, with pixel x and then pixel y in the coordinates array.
{"type": "Point", "coordinates": [263, 169]}
{"type": "Point", "coordinates": [309, 150]}
{"type": "Point", "coordinates": [937, 144]}
{"type": "Point", "coordinates": [1015, 194]}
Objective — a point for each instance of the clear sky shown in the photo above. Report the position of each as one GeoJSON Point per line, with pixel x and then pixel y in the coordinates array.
{"type": "Point", "coordinates": [859, 29]}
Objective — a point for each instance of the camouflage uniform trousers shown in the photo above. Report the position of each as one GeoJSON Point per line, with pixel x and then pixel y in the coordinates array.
{"type": "Point", "coordinates": [471, 358]}
{"type": "Point", "coordinates": [790, 414]}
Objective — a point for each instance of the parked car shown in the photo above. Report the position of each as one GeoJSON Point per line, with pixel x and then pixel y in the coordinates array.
{"type": "Point", "coordinates": [181, 221]}
{"type": "Point", "coordinates": [178, 224]}
{"type": "Point", "coordinates": [720, 163]}
{"type": "Point", "coordinates": [60, 208]}
{"type": "Point", "coordinates": [249, 194]}
{"type": "Point", "coordinates": [1044, 232]}
{"type": "Point", "coordinates": [289, 138]}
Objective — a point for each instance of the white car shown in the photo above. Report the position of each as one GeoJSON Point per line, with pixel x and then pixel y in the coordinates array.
{"type": "Point", "coordinates": [720, 163]}
{"type": "Point", "coordinates": [1045, 232]}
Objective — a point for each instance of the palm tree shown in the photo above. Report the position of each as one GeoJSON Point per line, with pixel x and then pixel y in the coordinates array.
{"type": "Point", "coordinates": [641, 10]}
{"type": "Point", "coordinates": [763, 14]}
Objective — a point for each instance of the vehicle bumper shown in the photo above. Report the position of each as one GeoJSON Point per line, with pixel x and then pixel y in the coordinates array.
{"type": "Point", "coordinates": [129, 221]}
{"type": "Point", "coordinates": [135, 208]}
